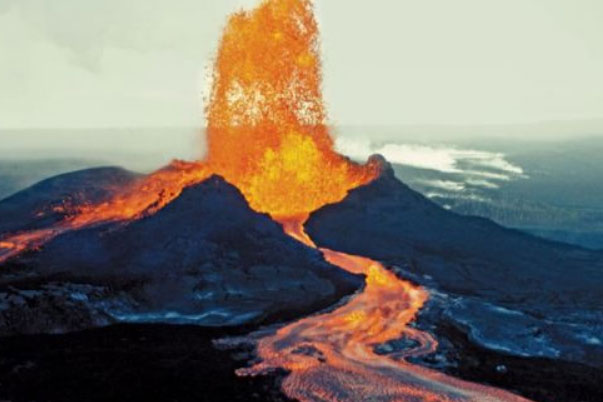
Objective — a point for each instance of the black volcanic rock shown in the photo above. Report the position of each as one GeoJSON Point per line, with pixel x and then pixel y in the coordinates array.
{"type": "Point", "coordinates": [489, 277]}
{"type": "Point", "coordinates": [40, 205]}
{"type": "Point", "coordinates": [151, 363]}
{"type": "Point", "coordinates": [205, 258]}
{"type": "Point", "coordinates": [52, 308]}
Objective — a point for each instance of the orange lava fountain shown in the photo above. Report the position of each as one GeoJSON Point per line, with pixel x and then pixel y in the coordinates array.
{"type": "Point", "coordinates": [267, 91]}
{"type": "Point", "coordinates": [267, 135]}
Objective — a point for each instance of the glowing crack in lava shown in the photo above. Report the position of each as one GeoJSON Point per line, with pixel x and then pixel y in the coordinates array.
{"type": "Point", "coordinates": [267, 135]}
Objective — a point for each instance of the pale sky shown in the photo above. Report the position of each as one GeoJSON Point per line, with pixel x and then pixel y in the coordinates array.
{"type": "Point", "coordinates": [118, 63]}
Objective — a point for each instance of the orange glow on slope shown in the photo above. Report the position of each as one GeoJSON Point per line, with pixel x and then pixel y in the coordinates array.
{"type": "Point", "coordinates": [267, 130]}
{"type": "Point", "coordinates": [143, 198]}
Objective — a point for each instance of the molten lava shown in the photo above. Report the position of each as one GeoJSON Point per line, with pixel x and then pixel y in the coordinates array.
{"type": "Point", "coordinates": [267, 135]}
{"type": "Point", "coordinates": [332, 357]}
{"type": "Point", "coordinates": [267, 130]}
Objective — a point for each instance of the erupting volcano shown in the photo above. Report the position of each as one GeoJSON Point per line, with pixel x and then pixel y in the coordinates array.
{"type": "Point", "coordinates": [268, 136]}
{"type": "Point", "coordinates": [267, 131]}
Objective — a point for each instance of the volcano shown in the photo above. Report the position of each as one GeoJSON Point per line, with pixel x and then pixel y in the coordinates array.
{"type": "Point", "coordinates": [353, 273]}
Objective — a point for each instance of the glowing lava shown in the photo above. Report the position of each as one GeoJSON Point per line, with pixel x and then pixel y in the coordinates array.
{"type": "Point", "coordinates": [267, 90]}
{"type": "Point", "coordinates": [331, 357]}
{"type": "Point", "coordinates": [267, 130]}
{"type": "Point", "coordinates": [267, 135]}
{"type": "Point", "coordinates": [143, 198]}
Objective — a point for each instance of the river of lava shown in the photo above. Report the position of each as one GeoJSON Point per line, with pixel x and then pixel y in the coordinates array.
{"type": "Point", "coordinates": [332, 357]}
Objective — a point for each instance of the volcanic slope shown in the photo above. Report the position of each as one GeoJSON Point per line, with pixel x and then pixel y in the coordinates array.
{"type": "Point", "coordinates": [205, 258]}
{"type": "Point", "coordinates": [509, 290]}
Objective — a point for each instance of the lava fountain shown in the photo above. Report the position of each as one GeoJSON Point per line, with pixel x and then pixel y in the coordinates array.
{"type": "Point", "coordinates": [267, 135]}
{"type": "Point", "coordinates": [267, 130]}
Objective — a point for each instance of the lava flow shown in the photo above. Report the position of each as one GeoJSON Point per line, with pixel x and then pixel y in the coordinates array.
{"type": "Point", "coordinates": [267, 135]}
{"type": "Point", "coordinates": [332, 357]}
{"type": "Point", "coordinates": [290, 169]}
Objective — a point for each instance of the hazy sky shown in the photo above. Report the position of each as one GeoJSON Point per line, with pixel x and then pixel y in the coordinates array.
{"type": "Point", "coordinates": [107, 63]}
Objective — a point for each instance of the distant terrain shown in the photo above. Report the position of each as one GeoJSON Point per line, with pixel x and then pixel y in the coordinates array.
{"type": "Point", "coordinates": [18, 174]}
{"type": "Point", "coordinates": [559, 196]}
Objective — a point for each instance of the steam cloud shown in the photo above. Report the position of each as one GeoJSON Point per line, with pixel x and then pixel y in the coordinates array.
{"type": "Point", "coordinates": [474, 167]}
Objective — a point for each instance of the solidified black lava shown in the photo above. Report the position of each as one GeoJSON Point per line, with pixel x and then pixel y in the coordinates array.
{"type": "Point", "coordinates": [539, 379]}
{"type": "Point", "coordinates": [509, 309]}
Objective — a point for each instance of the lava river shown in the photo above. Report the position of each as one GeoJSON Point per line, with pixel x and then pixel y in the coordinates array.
{"type": "Point", "coordinates": [331, 356]}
